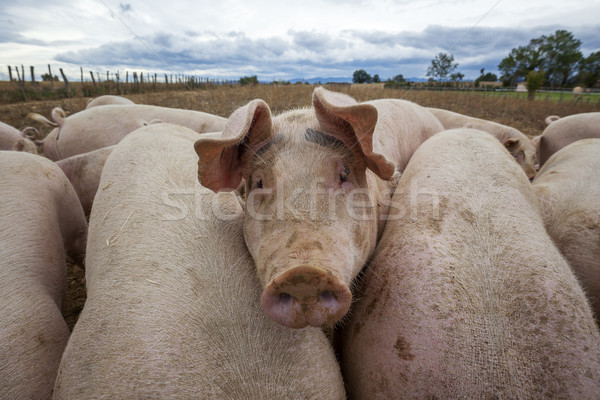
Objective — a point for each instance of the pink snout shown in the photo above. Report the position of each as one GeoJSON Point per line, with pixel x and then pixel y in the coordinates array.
{"type": "Point", "coordinates": [306, 295]}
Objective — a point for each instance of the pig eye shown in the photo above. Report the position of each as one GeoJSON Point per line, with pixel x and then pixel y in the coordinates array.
{"type": "Point", "coordinates": [257, 180]}
{"type": "Point", "coordinates": [344, 174]}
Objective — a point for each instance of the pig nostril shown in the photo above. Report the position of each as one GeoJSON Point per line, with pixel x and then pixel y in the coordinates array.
{"type": "Point", "coordinates": [327, 295]}
{"type": "Point", "coordinates": [285, 298]}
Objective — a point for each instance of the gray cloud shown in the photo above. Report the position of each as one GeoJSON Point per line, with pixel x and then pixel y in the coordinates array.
{"type": "Point", "coordinates": [305, 54]}
{"type": "Point", "coordinates": [125, 8]}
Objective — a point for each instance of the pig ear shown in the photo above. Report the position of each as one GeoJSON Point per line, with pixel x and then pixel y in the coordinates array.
{"type": "Point", "coordinates": [220, 155]}
{"type": "Point", "coordinates": [354, 124]}
{"type": "Point", "coordinates": [511, 143]}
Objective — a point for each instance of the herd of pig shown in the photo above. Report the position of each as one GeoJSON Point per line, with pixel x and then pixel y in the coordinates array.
{"type": "Point", "coordinates": [375, 250]}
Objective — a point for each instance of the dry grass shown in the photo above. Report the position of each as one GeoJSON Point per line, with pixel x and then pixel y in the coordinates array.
{"type": "Point", "coordinates": [527, 116]}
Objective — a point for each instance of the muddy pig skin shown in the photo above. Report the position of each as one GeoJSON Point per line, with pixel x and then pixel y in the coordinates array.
{"type": "Point", "coordinates": [466, 296]}
{"type": "Point", "coordinates": [317, 184]}
{"type": "Point", "coordinates": [568, 189]}
{"type": "Point", "coordinates": [173, 308]}
{"type": "Point", "coordinates": [40, 221]}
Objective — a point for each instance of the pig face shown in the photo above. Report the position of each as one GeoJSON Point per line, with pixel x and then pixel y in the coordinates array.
{"type": "Point", "coordinates": [524, 153]}
{"type": "Point", "coordinates": [311, 213]}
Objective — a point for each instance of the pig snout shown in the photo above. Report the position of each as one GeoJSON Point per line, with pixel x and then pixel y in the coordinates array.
{"type": "Point", "coordinates": [306, 295]}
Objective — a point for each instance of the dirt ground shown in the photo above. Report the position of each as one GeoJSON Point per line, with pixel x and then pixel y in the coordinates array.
{"type": "Point", "coordinates": [75, 293]}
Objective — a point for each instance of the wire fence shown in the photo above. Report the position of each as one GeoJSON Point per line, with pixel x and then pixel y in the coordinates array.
{"type": "Point", "coordinates": [24, 85]}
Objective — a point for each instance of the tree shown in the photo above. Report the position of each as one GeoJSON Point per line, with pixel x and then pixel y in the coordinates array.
{"type": "Point", "coordinates": [535, 79]}
{"type": "Point", "coordinates": [557, 54]}
{"type": "Point", "coordinates": [399, 79]}
{"type": "Point", "coordinates": [485, 77]}
{"type": "Point", "coordinates": [376, 78]}
{"type": "Point", "coordinates": [396, 81]}
{"type": "Point", "coordinates": [589, 70]}
{"type": "Point", "coordinates": [361, 76]}
{"type": "Point", "coordinates": [520, 61]}
{"type": "Point", "coordinates": [49, 78]}
{"type": "Point", "coordinates": [457, 76]}
{"type": "Point", "coordinates": [441, 66]}
{"type": "Point", "coordinates": [249, 80]}
{"type": "Point", "coordinates": [560, 54]}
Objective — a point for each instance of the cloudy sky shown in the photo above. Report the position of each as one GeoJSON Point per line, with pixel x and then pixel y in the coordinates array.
{"type": "Point", "coordinates": [280, 39]}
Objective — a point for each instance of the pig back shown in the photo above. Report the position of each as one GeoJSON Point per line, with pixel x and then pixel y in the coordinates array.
{"type": "Point", "coordinates": [467, 296]}
{"type": "Point", "coordinates": [40, 220]}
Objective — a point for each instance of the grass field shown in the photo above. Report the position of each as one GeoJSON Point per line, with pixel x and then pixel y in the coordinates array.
{"type": "Point", "coordinates": [508, 108]}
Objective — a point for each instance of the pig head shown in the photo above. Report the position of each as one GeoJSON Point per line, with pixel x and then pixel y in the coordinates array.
{"type": "Point", "coordinates": [309, 179]}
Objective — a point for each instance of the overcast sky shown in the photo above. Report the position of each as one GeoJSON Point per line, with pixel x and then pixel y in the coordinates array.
{"type": "Point", "coordinates": [280, 39]}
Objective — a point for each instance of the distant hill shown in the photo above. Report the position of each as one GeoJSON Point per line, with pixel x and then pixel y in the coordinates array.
{"type": "Point", "coordinates": [312, 81]}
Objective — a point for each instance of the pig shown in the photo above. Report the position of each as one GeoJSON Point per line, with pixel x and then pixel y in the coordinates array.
{"type": "Point", "coordinates": [550, 119]}
{"type": "Point", "coordinates": [173, 307]}
{"type": "Point", "coordinates": [519, 145]}
{"type": "Point", "coordinates": [84, 171]}
{"type": "Point", "coordinates": [108, 100]}
{"type": "Point", "coordinates": [13, 139]}
{"type": "Point", "coordinates": [316, 186]}
{"type": "Point", "coordinates": [41, 222]}
{"type": "Point", "coordinates": [568, 189]}
{"type": "Point", "coordinates": [105, 126]}
{"type": "Point", "coordinates": [566, 130]}
{"type": "Point", "coordinates": [466, 296]}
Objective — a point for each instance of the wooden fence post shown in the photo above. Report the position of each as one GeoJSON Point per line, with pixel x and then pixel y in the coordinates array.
{"type": "Point", "coordinates": [32, 75]}
{"type": "Point", "coordinates": [93, 80]}
{"type": "Point", "coordinates": [66, 82]}
{"type": "Point", "coordinates": [51, 77]}
{"type": "Point", "coordinates": [10, 73]}
{"type": "Point", "coordinates": [21, 84]}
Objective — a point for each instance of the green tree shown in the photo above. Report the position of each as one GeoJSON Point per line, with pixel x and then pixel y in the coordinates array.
{"type": "Point", "coordinates": [48, 78]}
{"type": "Point", "coordinates": [557, 54]}
{"type": "Point", "coordinates": [535, 80]}
{"type": "Point", "coordinates": [485, 77]}
{"type": "Point", "coordinates": [457, 76]}
{"type": "Point", "coordinates": [376, 78]}
{"type": "Point", "coordinates": [441, 66]}
{"type": "Point", "coordinates": [589, 70]}
{"type": "Point", "coordinates": [249, 80]}
{"type": "Point", "coordinates": [361, 76]}
{"type": "Point", "coordinates": [399, 79]}
{"type": "Point", "coordinates": [520, 61]}
{"type": "Point", "coordinates": [560, 54]}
